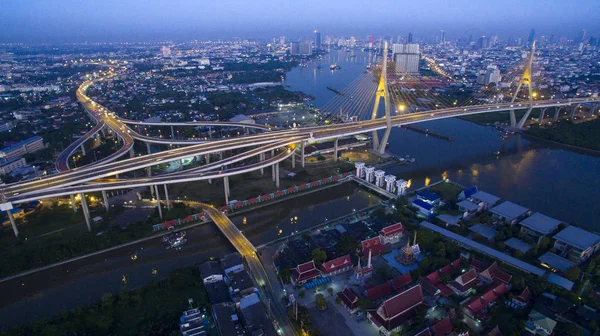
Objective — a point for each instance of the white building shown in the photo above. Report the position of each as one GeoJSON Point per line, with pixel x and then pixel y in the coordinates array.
{"type": "Point", "coordinates": [6, 166]}
{"type": "Point", "coordinates": [407, 58]}
{"type": "Point", "coordinates": [30, 145]}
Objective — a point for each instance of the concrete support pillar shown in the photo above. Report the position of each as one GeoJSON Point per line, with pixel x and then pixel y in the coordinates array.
{"type": "Point", "coordinates": [574, 111]}
{"type": "Point", "coordinates": [556, 114]}
{"type": "Point", "coordinates": [148, 148]}
{"type": "Point", "coordinates": [524, 119]}
{"type": "Point", "coordinates": [273, 172]}
{"type": "Point", "coordinates": [302, 154]}
{"type": "Point", "coordinates": [293, 157]}
{"type": "Point", "coordinates": [73, 204]}
{"type": "Point", "coordinates": [157, 195]}
{"type": "Point", "coordinates": [207, 162]}
{"type": "Point", "coordinates": [277, 175]}
{"type": "Point", "coordinates": [83, 148]}
{"type": "Point", "coordinates": [210, 132]}
{"type": "Point", "coordinates": [86, 212]}
{"type": "Point", "coordinates": [105, 198]}
{"type": "Point", "coordinates": [221, 156]}
{"type": "Point", "coordinates": [542, 114]}
{"type": "Point", "coordinates": [335, 149]}
{"type": "Point", "coordinates": [261, 158]}
{"type": "Point", "coordinates": [172, 133]}
{"type": "Point", "coordinates": [131, 152]}
{"type": "Point", "coordinates": [227, 191]}
{"type": "Point", "coordinates": [167, 198]}
{"type": "Point", "coordinates": [13, 223]}
{"type": "Point", "coordinates": [513, 118]}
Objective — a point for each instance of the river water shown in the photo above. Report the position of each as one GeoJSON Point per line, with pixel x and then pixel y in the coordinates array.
{"type": "Point", "coordinates": [545, 178]}
{"type": "Point", "coordinates": [557, 182]}
{"type": "Point", "coordinates": [83, 282]}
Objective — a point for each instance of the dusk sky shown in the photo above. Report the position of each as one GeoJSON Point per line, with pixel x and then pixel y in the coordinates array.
{"type": "Point", "coordinates": [136, 20]}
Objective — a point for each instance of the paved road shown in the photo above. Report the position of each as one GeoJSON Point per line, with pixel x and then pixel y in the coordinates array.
{"type": "Point", "coordinates": [257, 271]}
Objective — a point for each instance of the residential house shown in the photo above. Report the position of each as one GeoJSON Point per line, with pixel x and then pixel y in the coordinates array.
{"type": "Point", "coordinates": [509, 213]}
{"type": "Point", "coordinates": [467, 209]}
{"type": "Point", "coordinates": [255, 317]}
{"type": "Point", "coordinates": [523, 299]}
{"type": "Point", "coordinates": [240, 284]}
{"type": "Point", "coordinates": [484, 200]}
{"type": "Point", "coordinates": [463, 284]}
{"type": "Point", "coordinates": [232, 263]}
{"type": "Point", "coordinates": [211, 272]}
{"type": "Point", "coordinates": [226, 319]}
{"type": "Point", "coordinates": [393, 313]}
{"type": "Point", "coordinates": [576, 244]}
{"type": "Point", "coordinates": [424, 208]}
{"type": "Point", "coordinates": [540, 324]}
{"type": "Point", "coordinates": [304, 273]}
{"type": "Point", "coordinates": [478, 305]}
{"type": "Point", "coordinates": [429, 197]}
{"type": "Point", "coordinates": [391, 234]}
{"type": "Point", "coordinates": [337, 266]}
{"type": "Point", "coordinates": [467, 193]}
{"type": "Point", "coordinates": [537, 225]}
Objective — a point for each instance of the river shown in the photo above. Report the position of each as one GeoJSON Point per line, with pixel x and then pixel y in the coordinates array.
{"type": "Point", "coordinates": [545, 178]}
{"type": "Point", "coordinates": [83, 282]}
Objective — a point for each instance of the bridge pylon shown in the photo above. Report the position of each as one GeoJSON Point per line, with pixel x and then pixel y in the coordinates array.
{"type": "Point", "coordinates": [382, 93]}
{"type": "Point", "coordinates": [525, 80]}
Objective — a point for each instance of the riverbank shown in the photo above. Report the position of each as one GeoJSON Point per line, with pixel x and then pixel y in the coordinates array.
{"type": "Point", "coordinates": [584, 136]}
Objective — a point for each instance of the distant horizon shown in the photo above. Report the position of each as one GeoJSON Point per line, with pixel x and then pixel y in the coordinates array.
{"type": "Point", "coordinates": [73, 21]}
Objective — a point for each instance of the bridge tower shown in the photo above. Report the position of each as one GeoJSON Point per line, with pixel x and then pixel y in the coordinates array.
{"type": "Point", "coordinates": [525, 80]}
{"type": "Point", "coordinates": [382, 92]}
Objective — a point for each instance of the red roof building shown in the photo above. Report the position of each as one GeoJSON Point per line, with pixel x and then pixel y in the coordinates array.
{"type": "Point", "coordinates": [373, 244]}
{"type": "Point", "coordinates": [396, 311]}
{"type": "Point", "coordinates": [478, 305]}
{"type": "Point", "coordinates": [379, 292]}
{"type": "Point", "coordinates": [305, 272]}
{"type": "Point", "coordinates": [349, 299]}
{"type": "Point", "coordinates": [523, 298]}
{"type": "Point", "coordinates": [400, 283]}
{"type": "Point", "coordinates": [464, 282]}
{"type": "Point", "coordinates": [494, 273]}
{"type": "Point", "coordinates": [478, 265]}
{"type": "Point", "coordinates": [337, 266]}
{"type": "Point", "coordinates": [436, 276]}
{"type": "Point", "coordinates": [442, 328]}
{"type": "Point", "coordinates": [391, 234]}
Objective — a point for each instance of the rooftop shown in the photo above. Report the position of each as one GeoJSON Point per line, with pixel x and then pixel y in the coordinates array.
{"type": "Point", "coordinates": [428, 195]}
{"type": "Point", "coordinates": [483, 230]}
{"type": "Point", "coordinates": [19, 144]}
{"type": "Point", "coordinates": [577, 237]}
{"type": "Point", "coordinates": [470, 206]}
{"type": "Point", "coordinates": [509, 210]}
{"type": "Point", "coordinates": [485, 197]}
{"type": "Point", "coordinates": [556, 261]}
{"type": "Point", "coordinates": [449, 219]}
{"type": "Point", "coordinates": [518, 244]}
{"type": "Point", "coordinates": [540, 223]}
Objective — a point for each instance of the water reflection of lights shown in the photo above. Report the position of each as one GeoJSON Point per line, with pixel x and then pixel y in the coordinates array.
{"type": "Point", "coordinates": [427, 181]}
{"type": "Point", "coordinates": [445, 175]}
{"type": "Point", "coordinates": [244, 220]}
{"type": "Point", "coordinates": [409, 183]}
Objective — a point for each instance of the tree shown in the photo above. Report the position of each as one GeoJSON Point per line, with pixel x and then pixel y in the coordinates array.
{"type": "Point", "coordinates": [346, 244]}
{"type": "Point", "coordinates": [338, 300]}
{"type": "Point", "coordinates": [364, 304]}
{"type": "Point", "coordinates": [319, 256]}
{"type": "Point", "coordinates": [330, 291]}
{"type": "Point", "coordinates": [518, 282]}
{"type": "Point", "coordinates": [320, 301]}
{"type": "Point", "coordinates": [285, 275]}
{"type": "Point", "coordinates": [573, 273]}
{"type": "Point", "coordinates": [302, 294]}
{"type": "Point", "coordinates": [440, 249]}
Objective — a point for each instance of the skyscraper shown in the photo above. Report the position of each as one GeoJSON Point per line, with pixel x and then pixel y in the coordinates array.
{"type": "Point", "coordinates": [317, 39]}
{"type": "Point", "coordinates": [531, 36]}
{"type": "Point", "coordinates": [582, 36]}
{"type": "Point", "coordinates": [410, 38]}
{"type": "Point", "coordinates": [301, 48]}
{"type": "Point", "coordinates": [442, 36]}
{"type": "Point", "coordinates": [407, 58]}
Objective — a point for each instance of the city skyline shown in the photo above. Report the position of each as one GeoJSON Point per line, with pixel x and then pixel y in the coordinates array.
{"type": "Point", "coordinates": [69, 21]}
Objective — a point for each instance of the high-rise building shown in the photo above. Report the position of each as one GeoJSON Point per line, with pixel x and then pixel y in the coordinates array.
{"type": "Point", "coordinates": [531, 36]}
{"type": "Point", "coordinates": [410, 38]}
{"type": "Point", "coordinates": [442, 36]}
{"type": "Point", "coordinates": [484, 42]}
{"type": "Point", "coordinates": [582, 36]}
{"type": "Point", "coordinates": [166, 51]}
{"type": "Point", "coordinates": [301, 48]}
{"type": "Point", "coordinates": [489, 75]}
{"type": "Point", "coordinates": [317, 39]}
{"type": "Point", "coordinates": [407, 58]}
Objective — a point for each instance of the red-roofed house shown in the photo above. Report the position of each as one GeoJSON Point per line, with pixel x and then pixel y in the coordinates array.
{"type": "Point", "coordinates": [400, 283]}
{"type": "Point", "coordinates": [523, 299]}
{"type": "Point", "coordinates": [436, 276]}
{"type": "Point", "coordinates": [337, 266]}
{"type": "Point", "coordinates": [442, 328]}
{"type": "Point", "coordinates": [373, 244]}
{"type": "Point", "coordinates": [464, 282]}
{"type": "Point", "coordinates": [391, 234]}
{"type": "Point", "coordinates": [379, 292]}
{"type": "Point", "coordinates": [349, 299]}
{"type": "Point", "coordinates": [393, 313]}
{"type": "Point", "coordinates": [494, 273]}
{"type": "Point", "coordinates": [304, 273]}
{"type": "Point", "coordinates": [478, 265]}
{"type": "Point", "coordinates": [478, 305]}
